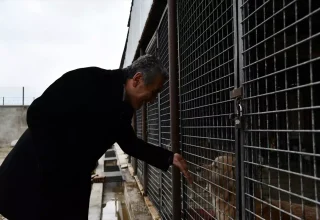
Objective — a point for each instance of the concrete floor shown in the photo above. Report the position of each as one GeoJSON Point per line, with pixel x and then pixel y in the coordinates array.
{"type": "Point", "coordinates": [113, 202]}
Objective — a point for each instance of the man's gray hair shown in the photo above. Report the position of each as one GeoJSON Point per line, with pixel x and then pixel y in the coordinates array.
{"type": "Point", "coordinates": [150, 67]}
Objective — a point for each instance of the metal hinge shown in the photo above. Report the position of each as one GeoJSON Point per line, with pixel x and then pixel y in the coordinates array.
{"type": "Point", "coordinates": [237, 117]}
{"type": "Point", "coordinates": [236, 93]}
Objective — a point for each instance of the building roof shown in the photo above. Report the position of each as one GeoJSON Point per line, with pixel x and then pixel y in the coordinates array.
{"type": "Point", "coordinates": [154, 17]}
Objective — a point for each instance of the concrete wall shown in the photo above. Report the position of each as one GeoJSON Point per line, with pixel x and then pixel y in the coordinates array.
{"type": "Point", "coordinates": [12, 123]}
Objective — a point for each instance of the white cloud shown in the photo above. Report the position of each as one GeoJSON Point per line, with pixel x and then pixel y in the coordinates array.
{"type": "Point", "coordinates": [42, 39]}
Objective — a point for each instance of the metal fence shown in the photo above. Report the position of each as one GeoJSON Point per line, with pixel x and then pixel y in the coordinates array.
{"type": "Point", "coordinates": [139, 135]}
{"type": "Point", "coordinates": [280, 63]}
{"type": "Point", "coordinates": [10, 96]}
{"type": "Point", "coordinates": [164, 106]}
{"type": "Point", "coordinates": [206, 80]}
{"type": "Point", "coordinates": [153, 187]}
{"type": "Point", "coordinates": [249, 114]}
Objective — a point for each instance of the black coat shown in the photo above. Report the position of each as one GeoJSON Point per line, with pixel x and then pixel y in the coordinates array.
{"type": "Point", "coordinates": [47, 175]}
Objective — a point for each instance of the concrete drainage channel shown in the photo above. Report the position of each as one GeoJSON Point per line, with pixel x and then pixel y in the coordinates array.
{"type": "Point", "coordinates": [119, 197]}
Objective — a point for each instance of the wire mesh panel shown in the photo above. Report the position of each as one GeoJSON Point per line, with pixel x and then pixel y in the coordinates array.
{"type": "Point", "coordinates": [281, 64]}
{"type": "Point", "coordinates": [153, 187]}
{"type": "Point", "coordinates": [206, 57]}
{"type": "Point", "coordinates": [166, 177]}
{"type": "Point", "coordinates": [139, 135]}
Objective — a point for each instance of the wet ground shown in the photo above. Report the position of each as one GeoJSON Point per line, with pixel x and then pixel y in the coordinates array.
{"type": "Point", "coordinates": [113, 202]}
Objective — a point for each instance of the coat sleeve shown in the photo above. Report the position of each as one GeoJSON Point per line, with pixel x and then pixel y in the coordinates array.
{"type": "Point", "coordinates": [132, 145]}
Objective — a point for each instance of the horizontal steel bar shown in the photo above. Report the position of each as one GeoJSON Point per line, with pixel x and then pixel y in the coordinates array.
{"type": "Point", "coordinates": [214, 57]}
{"type": "Point", "coordinates": [256, 10]}
{"type": "Point", "coordinates": [205, 41]}
{"type": "Point", "coordinates": [284, 191]}
{"type": "Point", "coordinates": [283, 111]}
{"type": "Point", "coordinates": [283, 151]}
{"type": "Point", "coordinates": [282, 70]}
{"type": "Point", "coordinates": [206, 95]}
{"type": "Point", "coordinates": [186, 23]}
{"type": "Point", "coordinates": [204, 85]}
{"type": "Point", "coordinates": [283, 50]}
{"type": "Point", "coordinates": [269, 204]}
{"type": "Point", "coordinates": [280, 31]}
{"type": "Point", "coordinates": [284, 171]}
{"type": "Point", "coordinates": [209, 105]}
{"type": "Point", "coordinates": [206, 73]}
{"type": "Point", "coordinates": [211, 138]}
{"type": "Point", "coordinates": [283, 90]}
{"type": "Point", "coordinates": [204, 117]}
{"type": "Point", "coordinates": [189, 9]}
{"type": "Point", "coordinates": [206, 127]}
{"type": "Point", "coordinates": [271, 17]}
{"type": "Point", "coordinates": [216, 150]}
{"type": "Point", "coordinates": [282, 131]}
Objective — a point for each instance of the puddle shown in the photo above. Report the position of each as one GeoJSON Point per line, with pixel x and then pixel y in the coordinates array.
{"type": "Point", "coordinates": [114, 206]}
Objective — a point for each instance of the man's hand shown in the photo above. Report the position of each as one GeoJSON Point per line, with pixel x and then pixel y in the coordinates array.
{"type": "Point", "coordinates": [181, 163]}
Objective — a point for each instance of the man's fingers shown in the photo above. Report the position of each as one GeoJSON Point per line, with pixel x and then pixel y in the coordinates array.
{"type": "Point", "coordinates": [188, 176]}
{"type": "Point", "coordinates": [181, 163]}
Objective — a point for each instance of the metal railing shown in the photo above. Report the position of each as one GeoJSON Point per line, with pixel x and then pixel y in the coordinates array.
{"type": "Point", "coordinates": [16, 100]}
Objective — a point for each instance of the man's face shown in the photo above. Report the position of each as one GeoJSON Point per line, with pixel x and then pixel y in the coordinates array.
{"type": "Point", "coordinates": [140, 93]}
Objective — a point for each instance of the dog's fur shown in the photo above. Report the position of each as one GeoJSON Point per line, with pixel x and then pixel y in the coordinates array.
{"type": "Point", "coordinates": [223, 189]}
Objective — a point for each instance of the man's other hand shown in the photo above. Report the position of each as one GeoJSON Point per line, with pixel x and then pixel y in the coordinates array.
{"type": "Point", "coordinates": [181, 163]}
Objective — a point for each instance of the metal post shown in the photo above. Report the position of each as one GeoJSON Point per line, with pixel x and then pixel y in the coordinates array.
{"type": "Point", "coordinates": [144, 137]}
{"type": "Point", "coordinates": [159, 127]}
{"type": "Point", "coordinates": [238, 61]}
{"type": "Point", "coordinates": [174, 102]}
{"type": "Point", "coordinates": [22, 96]}
{"type": "Point", "coordinates": [3, 100]}
{"type": "Point", "coordinates": [134, 160]}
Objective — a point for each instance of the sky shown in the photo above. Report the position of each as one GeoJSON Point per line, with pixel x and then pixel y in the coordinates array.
{"type": "Point", "coordinates": [40, 40]}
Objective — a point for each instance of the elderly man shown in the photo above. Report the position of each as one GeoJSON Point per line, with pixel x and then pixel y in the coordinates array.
{"type": "Point", "coordinates": [70, 126]}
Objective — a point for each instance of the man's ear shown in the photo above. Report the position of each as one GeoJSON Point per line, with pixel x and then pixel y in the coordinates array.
{"type": "Point", "coordinates": [137, 78]}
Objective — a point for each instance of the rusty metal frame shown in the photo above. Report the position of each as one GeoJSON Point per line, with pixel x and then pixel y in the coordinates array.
{"type": "Point", "coordinates": [174, 104]}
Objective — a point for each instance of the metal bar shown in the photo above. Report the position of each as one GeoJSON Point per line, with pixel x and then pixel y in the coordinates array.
{"type": "Point", "coordinates": [144, 137]}
{"type": "Point", "coordinates": [22, 96]}
{"type": "Point", "coordinates": [2, 100]}
{"type": "Point", "coordinates": [159, 117]}
{"type": "Point", "coordinates": [134, 161]}
{"type": "Point", "coordinates": [239, 171]}
{"type": "Point", "coordinates": [174, 112]}
{"type": "Point", "coordinates": [183, 182]}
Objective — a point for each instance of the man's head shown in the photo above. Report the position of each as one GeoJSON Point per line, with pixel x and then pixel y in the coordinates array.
{"type": "Point", "coordinates": [145, 79]}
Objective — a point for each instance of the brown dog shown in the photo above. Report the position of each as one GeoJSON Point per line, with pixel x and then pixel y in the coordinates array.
{"type": "Point", "coordinates": [221, 185]}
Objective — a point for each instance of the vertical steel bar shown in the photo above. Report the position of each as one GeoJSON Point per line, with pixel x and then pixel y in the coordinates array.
{"type": "Point", "coordinates": [2, 100]}
{"type": "Point", "coordinates": [144, 137]}
{"type": "Point", "coordinates": [160, 173]}
{"type": "Point", "coordinates": [22, 96]}
{"type": "Point", "coordinates": [183, 182]}
{"type": "Point", "coordinates": [134, 162]}
{"type": "Point", "coordinates": [174, 101]}
{"type": "Point", "coordinates": [238, 165]}
{"type": "Point", "coordinates": [239, 79]}
{"type": "Point", "coordinates": [159, 124]}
